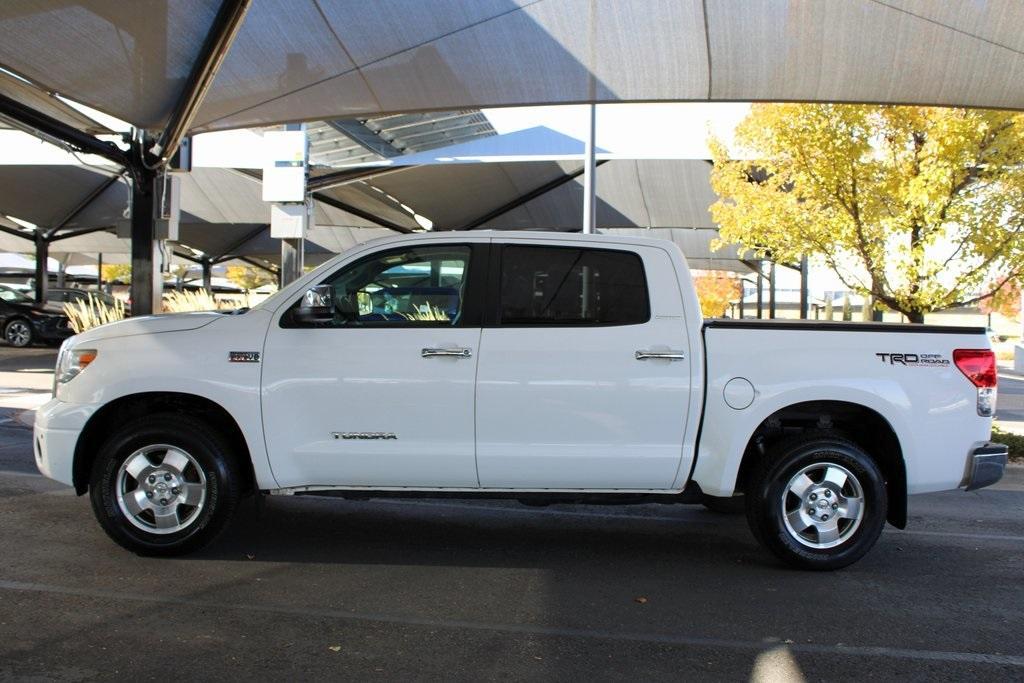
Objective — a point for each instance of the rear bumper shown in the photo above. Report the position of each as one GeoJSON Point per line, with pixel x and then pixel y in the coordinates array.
{"type": "Point", "coordinates": [986, 465]}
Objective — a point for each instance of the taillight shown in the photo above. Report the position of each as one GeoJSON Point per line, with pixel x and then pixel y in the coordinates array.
{"type": "Point", "coordinates": [979, 366]}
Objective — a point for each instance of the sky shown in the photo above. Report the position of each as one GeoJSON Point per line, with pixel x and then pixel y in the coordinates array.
{"type": "Point", "coordinates": [640, 131]}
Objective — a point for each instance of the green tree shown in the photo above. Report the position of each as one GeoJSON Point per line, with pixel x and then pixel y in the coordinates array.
{"type": "Point", "coordinates": [921, 208]}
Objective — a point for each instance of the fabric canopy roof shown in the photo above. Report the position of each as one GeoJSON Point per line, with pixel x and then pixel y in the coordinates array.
{"type": "Point", "coordinates": [309, 60]}
{"type": "Point", "coordinates": [455, 188]}
{"type": "Point", "coordinates": [47, 195]}
{"type": "Point", "coordinates": [661, 198]}
{"type": "Point", "coordinates": [222, 213]}
{"type": "Point", "coordinates": [48, 104]}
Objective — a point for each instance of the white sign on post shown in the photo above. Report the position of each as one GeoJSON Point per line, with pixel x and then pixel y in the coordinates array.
{"type": "Point", "coordinates": [284, 166]}
{"type": "Point", "coordinates": [288, 221]}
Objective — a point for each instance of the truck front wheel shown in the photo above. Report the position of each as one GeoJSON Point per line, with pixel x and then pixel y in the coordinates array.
{"type": "Point", "coordinates": [817, 502]}
{"type": "Point", "coordinates": [166, 484]}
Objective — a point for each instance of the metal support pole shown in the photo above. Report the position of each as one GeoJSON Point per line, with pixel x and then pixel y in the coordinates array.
{"type": "Point", "coordinates": [211, 55]}
{"type": "Point", "coordinates": [771, 290]}
{"type": "Point", "coordinates": [804, 287]}
{"type": "Point", "coordinates": [99, 271]}
{"type": "Point", "coordinates": [207, 265]}
{"type": "Point", "coordinates": [143, 231]}
{"type": "Point", "coordinates": [589, 173]}
{"type": "Point", "coordinates": [42, 272]}
{"type": "Point", "coordinates": [291, 260]}
{"type": "Point", "coordinates": [760, 289]}
{"type": "Point", "coordinates": [62, 272]}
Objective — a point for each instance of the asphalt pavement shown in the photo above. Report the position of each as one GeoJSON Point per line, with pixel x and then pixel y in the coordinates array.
{"type": "Point", "coordinates": [305, 588]}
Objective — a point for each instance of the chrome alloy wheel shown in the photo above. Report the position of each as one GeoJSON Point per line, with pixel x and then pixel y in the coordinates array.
{"type": "Point", "coordinates": [823, 505]}
{"type": "Point", "coordinates": [18, 333]}
{"type": "Point", "coordinates": [161, 489]}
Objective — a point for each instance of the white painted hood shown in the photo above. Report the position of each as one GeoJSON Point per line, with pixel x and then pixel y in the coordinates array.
{"type": "Point", "coordinates": [150, 324]}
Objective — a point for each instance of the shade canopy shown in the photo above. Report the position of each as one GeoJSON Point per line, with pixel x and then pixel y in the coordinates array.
{"type": "Point", "coordinates": [529, 180]}
{"type": "Point", "coordinates": [308, 60]}
{"type": "Point", "coordinates": [458, 188]}
{"type": "Point", "coordinates": [53, 196]}
{"type": "Point", "coordinates": [223, 213]}
{"type": "Point", "coordinates": [48, 104]}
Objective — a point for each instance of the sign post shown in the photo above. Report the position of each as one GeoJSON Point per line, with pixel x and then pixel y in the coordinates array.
{"type": "Point", "coordinates": [284, 183]}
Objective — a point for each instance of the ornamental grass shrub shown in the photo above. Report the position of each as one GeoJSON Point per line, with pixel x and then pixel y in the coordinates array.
{"type": "Point", "coordinates": [85, 314]}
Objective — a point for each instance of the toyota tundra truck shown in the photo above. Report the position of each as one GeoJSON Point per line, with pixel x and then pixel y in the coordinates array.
{"type": "Point", "coordinates": [540, 367]}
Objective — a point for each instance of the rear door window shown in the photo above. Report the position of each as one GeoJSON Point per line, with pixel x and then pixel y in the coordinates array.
{"type": "Point", "coordinates": [543, 285]}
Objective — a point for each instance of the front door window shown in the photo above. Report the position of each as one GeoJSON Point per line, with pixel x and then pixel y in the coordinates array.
{"type": "Point", "coordinates": [422, 286]}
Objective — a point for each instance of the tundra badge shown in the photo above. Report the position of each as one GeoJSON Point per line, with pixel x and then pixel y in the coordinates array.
{"type": "Point", "coordinates": [366, 436]}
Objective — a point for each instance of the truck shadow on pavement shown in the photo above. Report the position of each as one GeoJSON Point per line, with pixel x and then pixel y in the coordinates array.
{"type": "Point", "coordinates": [471, 533]}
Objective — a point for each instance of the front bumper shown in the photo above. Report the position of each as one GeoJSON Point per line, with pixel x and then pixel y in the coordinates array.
{"type": "Point", "coordinates": [55, 436]}
{"type": "Point", "coordinates": [52, 328]}
{"type": "Point", "coordinates": [986, 465]}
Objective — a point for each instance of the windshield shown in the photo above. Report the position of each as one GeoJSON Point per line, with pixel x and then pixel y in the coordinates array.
{"type": "Point", "coordinates": [13, 296]}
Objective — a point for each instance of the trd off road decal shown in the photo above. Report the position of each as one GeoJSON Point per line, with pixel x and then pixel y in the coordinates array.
{"type": "Point", "coordinates": [933, 360]}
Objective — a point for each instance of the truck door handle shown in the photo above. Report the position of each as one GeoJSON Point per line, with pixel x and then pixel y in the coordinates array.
{"type": "Point", "coordinates": [446, 353]}
{"type": "Point", "coordinates": [660, 355]}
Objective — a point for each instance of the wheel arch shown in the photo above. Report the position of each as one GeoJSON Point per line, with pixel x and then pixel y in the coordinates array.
{"type": "Point", "coordinates": [856, 422]}
{"type": "Point", "coordinates": [126, 408]}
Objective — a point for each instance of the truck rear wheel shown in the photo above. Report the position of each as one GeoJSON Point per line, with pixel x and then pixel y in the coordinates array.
{"type": "Point", "coordinates": [166, 484]}
{"type": "Point", "coordinates": [817, 502]}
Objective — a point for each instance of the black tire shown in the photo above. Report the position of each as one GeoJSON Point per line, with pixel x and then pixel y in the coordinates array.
{"type": "Point", "coordinates": [769, 494]}
{"type": "Point", "coordinates": [735, 505]}
{"type": "Point", "coordinates": [18, 333]}
{"type": "Point", "coordinates": [209, 454]}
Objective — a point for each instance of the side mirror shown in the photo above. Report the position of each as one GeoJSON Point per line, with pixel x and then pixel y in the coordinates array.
{"type": "Point", "coordinates": [317, 305]}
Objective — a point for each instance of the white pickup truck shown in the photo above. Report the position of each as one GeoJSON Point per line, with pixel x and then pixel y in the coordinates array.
{"type": "Point", "coordinates": [540, 367]}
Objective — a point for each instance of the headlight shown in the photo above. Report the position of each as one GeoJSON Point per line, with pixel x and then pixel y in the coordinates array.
{"type": "Point", "coordinates": [71, 362]}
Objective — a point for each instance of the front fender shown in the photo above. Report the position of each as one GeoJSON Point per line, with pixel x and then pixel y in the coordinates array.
{"type": "Point", "coordinates": [194, 362]}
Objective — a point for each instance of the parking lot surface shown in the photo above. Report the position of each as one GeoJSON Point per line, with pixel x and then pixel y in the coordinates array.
{"type": "Point", "coordinates": [306, 587]}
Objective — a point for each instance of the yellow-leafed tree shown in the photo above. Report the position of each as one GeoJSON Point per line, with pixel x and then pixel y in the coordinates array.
{"type": "Point", "coordinates": [248, 278]}
{"type": "Point", "coordinates": [117, 272]}
{"type": "Point", "coordinates": [921, 208]}
{"type": "Point", "coordinates": [715, 291]}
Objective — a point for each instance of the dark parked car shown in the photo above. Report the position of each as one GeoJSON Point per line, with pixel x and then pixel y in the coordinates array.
{"type": "Point", "coordinates": [66, 295]}
{"type": "Point", "coordinates": [24, 322]}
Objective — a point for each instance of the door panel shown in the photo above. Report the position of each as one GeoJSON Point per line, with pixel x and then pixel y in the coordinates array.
{"type": "Point", "coordinates": [376, 389]}
{"type": "Point", "coordinates": [318, 382]}
{"type": "Point", "coordinates": [571, 406]}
